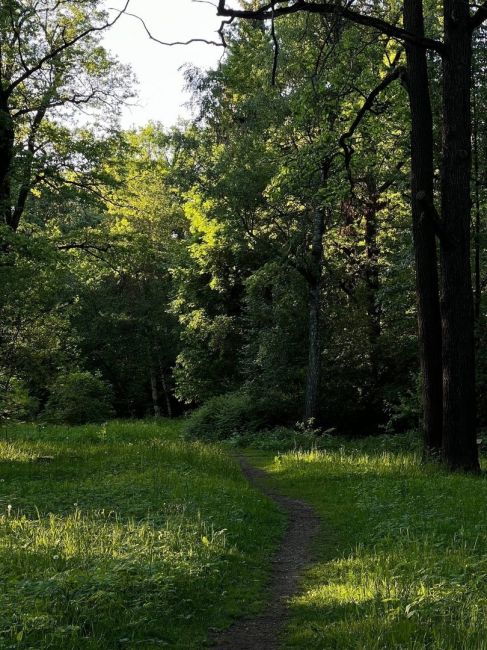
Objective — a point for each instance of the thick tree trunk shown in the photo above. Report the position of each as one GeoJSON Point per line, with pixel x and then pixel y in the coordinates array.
{"type": "Point", "coordinates": [155, 399]}
{"type": "Point", "coordinates": [6, 158]}
{"type": "Point", "coordinates": [422, 174]}
{"type": "Point", "coordinates": [477, 219]}
{"type": "Point", "coordinates": [314, 302]}
{"type": "Point", "coordinates": [459, 410]}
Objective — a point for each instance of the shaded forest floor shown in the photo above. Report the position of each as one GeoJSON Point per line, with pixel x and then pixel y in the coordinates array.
{"type": "Point", "coordinates": [127, 536]}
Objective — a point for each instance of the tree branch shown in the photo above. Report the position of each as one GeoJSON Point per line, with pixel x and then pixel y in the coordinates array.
{"type": "Point", "coordinates": [396, 73]}
{"type": "Point", "coordinates": [276, 48]}
{"type": "Point", "coordinates": [26, 185]}
{"type": "Point", "coordinates": [173, 43]}
{"type": "Point", "coordinates": [52, 54]}
{"type": "Point", "coordinates": [268, 11]}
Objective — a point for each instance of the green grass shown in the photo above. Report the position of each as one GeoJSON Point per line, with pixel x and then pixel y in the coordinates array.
{"type": "Point", "coordinates": [402, 553]}
{"type": "Point", "coordinates": [128, 538]}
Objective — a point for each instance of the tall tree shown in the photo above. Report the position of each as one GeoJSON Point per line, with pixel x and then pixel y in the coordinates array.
{"type": "Point", "coordinates": [458, 394]}
{"type": "Point", "coordinates": [423, 216]}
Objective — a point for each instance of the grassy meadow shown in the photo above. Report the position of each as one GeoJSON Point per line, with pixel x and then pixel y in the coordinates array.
{"type": "Point", "coordinates": [128, 536]}
{"type": "Point", "coordinates": [402, 553]}
{"type": "Point", "coordinates": [125, 536]}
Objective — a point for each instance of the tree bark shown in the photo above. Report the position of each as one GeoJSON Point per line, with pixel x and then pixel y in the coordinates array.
{"type": "Point", "coordinates": [155, 400]}
{"type": "Point", "coordinates": [459, 416]}
{"type": "Point", "coordinates": [6, 158]}
{"type": "Point", "coordinates": [422, 180]}
{"type": "Point", "coordinates": [477, 218]}
{"type": "Point", "coordinates": [167, 396]}
{"type": "Point", "coordinates": [314, 303]}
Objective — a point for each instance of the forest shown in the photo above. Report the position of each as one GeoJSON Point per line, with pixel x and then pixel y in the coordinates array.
{"type": "Point", "coordinates": [299, 269]}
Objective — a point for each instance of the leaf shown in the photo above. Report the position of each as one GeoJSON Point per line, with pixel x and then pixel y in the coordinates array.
{"type": "Point", "coordinates": [409, 611]}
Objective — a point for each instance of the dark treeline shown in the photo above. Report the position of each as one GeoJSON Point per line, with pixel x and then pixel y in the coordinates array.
{"type": "Point", "coordinates": [304, 250]}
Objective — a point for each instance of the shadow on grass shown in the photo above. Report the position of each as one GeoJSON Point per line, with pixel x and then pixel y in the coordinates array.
{"type": "Point", "coordinates": [95, 602]}
{"type": "Point", "coordinates": [133, 543]}
{"type": "Point", "coordinates": [403, 553]}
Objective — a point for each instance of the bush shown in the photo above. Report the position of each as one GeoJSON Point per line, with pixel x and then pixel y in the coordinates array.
{"type": "Point", "coordinates": [224, 416]}
{"type": "Point", "coordinates": [79, 398]}
{"type": "Point", "coordinates": [15, 401]}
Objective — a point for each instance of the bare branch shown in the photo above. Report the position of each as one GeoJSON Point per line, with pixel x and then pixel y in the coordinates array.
{"type": "Point", "coordinates": [266, 12]}
{"type": "Point", "coordinates": [173, 43]}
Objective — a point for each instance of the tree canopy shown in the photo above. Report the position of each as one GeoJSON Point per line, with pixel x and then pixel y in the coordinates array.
{"type": "Point", "coordinates": [299, 251]}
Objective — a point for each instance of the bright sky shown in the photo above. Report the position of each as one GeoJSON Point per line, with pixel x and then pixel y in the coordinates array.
{"type": "Point", "coordinates": [161, 82]}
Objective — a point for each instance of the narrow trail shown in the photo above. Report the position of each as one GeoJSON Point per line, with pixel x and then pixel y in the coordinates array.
{"type": "Point", "coordinates": [288, 564]}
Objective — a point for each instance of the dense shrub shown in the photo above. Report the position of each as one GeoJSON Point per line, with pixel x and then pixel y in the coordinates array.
{"type": "Point", "coordinates": [79, 398]}
{"type": "Point", "coordinates": [224, 416]}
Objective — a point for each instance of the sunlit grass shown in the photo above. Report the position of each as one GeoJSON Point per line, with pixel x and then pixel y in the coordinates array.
{"type": "Point", "coordinates": [125, 536]}
{"type": "Point", "coordinates": [402, 554]}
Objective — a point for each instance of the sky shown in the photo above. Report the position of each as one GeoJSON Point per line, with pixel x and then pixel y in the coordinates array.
{"type": "Point", "coordinates": [157, 67]}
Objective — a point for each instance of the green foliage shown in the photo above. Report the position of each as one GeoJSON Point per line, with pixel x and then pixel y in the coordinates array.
{"type": "Point", "coordinates": [124, 536]}
{"type": "Point", "coordinates": [224, 416]}
{"type": "Point", "coordinates": [178, 264]}
{"type": "Point", "coordinates": [78, 398]}
{"type": "Point", "coordinates": [250, 208]}
{"type": "Point", "coordinates": [15, 401]}
{"type": "Point", "coordinates": [282, 439]}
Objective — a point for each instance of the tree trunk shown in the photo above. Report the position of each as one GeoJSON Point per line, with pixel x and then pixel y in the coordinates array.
{"type": "Point", "coordinates": [314, 302]}
{"type": "Point", "coordinates": [422, 174]}
{"type": "Point", "coordinates": [477, 219]}
{"type": "Point", "coordinates": [372, 279]}
{"type": "Point", "coordinates": [155, 400]}
{"type": "Point", "coordinates": [6, 157]}
{"type": "Point", "coordinates": [459, 414]}
{"type": "Point", "coordinates": [167, 396]}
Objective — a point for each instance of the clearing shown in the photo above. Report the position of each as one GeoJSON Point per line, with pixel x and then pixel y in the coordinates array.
{"type": "Point", "coordinates": [127, 536]}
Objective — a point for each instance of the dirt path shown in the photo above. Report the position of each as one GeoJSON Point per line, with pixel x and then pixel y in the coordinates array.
{"type": "Point", "coordinates": [288, 564]}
